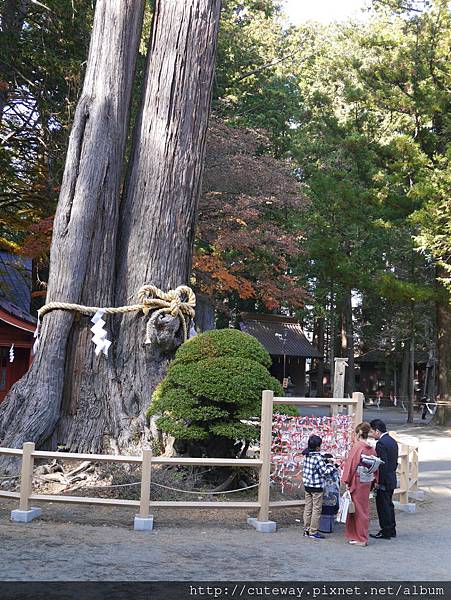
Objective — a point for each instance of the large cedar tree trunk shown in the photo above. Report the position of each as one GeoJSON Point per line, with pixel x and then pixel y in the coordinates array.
{"type": "Point", "coordinates": [347, 342]}
{"type": "Point", "coordinates": [347, 332]}
{"type": "Point", "coordinates": [410, 402]}
{"type": "Point", "coordinates": [162, 190]}
{"type": "Point", "coordinates": [443, 415]}
{"type": "Point", "coordinates": [83, 243]}
{"type": "Point", "coordinates": [319, 362]}
{"type": "Point", "coordinates": [104, 248]}
{"type": "Point", "coordinates": [332, 333]}
{"type": "Point", "coordinates": [404, 383]}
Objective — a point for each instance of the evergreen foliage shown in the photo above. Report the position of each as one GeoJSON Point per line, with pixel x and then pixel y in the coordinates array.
{"type": "Point", "coordinates": [228, 343]}
{"type": "Point", "coordinates": [214, 383]}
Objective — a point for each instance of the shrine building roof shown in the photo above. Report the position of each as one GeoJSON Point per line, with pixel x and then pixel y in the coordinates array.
{"type": "Point", "coordinates": [272, 330]}
{"type": "Point", "coordinates": [15, 291]}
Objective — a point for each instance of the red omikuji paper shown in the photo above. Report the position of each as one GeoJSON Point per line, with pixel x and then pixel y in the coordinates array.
{"type": "Point", "coordinates": [290, 437]}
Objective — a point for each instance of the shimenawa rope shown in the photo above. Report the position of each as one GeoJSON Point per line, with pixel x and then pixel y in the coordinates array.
{"type": "Point", "coordinates": [179, 303]}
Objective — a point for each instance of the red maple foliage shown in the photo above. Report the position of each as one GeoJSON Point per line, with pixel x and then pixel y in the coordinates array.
{"type": "Point", "coordinates": [37, 243]}
{"type": "Point", "coordinates": [245, 238]}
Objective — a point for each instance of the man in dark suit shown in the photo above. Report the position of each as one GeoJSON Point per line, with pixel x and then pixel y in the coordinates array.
{"type": "Point", "coordinates": [387, 450]}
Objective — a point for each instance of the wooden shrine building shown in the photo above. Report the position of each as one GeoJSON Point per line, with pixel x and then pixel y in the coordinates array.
{"type": "Point", "coordinates": [378, 376]}
{"type": "Point", "coordinates": [16, 323]}
{"type": "Point", "coordinates": [285, 341]}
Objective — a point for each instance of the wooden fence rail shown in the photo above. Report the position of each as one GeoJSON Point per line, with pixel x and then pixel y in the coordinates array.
{"type": "Point", "coordinates": [408, 472]}
{"type": "Point", "coordinates": [28, 454]}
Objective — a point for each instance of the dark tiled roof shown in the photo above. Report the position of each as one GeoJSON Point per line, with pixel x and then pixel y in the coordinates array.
{"type": "Point", "coordinates": [265, 328]}
{"type": "Point", "coordinates": [15, 311]}
{"type": "Point", "coordinates": [15, 281]}
{"type": "Point", "coordinates": [380, 356]}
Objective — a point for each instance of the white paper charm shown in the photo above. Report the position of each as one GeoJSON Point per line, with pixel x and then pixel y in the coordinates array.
{"type": "Point", "coordinates": [99, 339]}
{"type": "Point", "coordinates": [11, 354]}
{"type": "Point", "coordinates": [36, 336]}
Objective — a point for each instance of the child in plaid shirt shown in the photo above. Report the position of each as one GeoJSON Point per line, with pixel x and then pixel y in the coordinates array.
{"type": "Point", "coordinates": [315, 470]}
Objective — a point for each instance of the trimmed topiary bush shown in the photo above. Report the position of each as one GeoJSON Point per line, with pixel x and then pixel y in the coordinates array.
{"type": "Point", "coordinates": [214, 383]}
{"type": "Point", "coordinates": [222, 342]}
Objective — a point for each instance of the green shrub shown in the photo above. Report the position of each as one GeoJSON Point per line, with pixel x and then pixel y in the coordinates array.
{"type": "Point", "coordinates": [222, 342]}
{"type": "Point", "coordinates": [214, 383]}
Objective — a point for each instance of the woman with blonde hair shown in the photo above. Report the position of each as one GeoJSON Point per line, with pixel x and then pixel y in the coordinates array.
{"type": "Point", "coordinates": [359, 472]}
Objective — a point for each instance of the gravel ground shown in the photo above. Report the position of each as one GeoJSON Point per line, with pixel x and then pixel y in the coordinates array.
{"type": "Point", "coordinates": [98, 543]}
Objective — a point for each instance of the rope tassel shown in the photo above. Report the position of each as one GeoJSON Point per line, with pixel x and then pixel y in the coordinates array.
{"type": "Point", "coordinates": [180, 303]}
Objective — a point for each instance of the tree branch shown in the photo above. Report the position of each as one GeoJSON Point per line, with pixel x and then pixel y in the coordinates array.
{"type": "Point", "coordinates": [269, 65]}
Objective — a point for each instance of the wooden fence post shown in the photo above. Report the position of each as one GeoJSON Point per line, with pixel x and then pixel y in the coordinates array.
{"type": "Point", "coordinates": [146, 470]}
{"type": "Point", "coordinates": [414, 471]}
{"type": "Point", "coordinates": [339, 377]}
{"type": "Point", "coordinates": [358, 408]}
{"type": "Point", "coordinates": [26, 476]}
{"type": "Point", "coordinates": [404, 475]}
{"type": "Point", "coordinates": [265, 454]}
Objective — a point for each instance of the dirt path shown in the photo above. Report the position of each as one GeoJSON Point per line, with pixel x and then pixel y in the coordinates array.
{"type": "Point", "coordinates": [77, 543]}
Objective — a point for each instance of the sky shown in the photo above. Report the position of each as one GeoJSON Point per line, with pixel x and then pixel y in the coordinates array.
{"type": "Point", "coordinates": [324, 11]}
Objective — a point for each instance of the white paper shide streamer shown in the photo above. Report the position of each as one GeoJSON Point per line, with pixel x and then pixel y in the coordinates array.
{"type": "Point", "coordinates": [100, 334]}
{"type": "Point", "coordinates": [11, 354]}
{"type": "Point", "coordinates": [36, 338]}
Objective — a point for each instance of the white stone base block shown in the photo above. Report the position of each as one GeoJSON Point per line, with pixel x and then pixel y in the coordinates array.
{"type": "Point", "coordinates": [262, 526]}
{"type": "Point", "coordinates": [410, 507]}
{"type": "Point", "coordinates": [143, 523]}
{"type": "Point", "coordinates": [25, 516]}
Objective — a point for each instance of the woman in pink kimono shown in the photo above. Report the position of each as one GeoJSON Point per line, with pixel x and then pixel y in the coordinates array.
{"type": "Point", "coordinates": [359, 473]}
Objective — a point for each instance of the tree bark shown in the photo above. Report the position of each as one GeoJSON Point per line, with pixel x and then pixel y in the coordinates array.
{"type": "Point", "coordinates": [411, 379]}
{"type": "Point", "coordinates": [165, 176]}
{"type": "Point", "coordinates": [163, 186]}
{"type": "Point", "coordinates": [205, 313]}
{"type": "Point", "coordinates": [84, 236]}
{"type": "Point", "coordinates": [332, 329]}
{"type": "Point", "coordinates": [347, 342]}
{"type": "Point", "coordinates": [404, 382]}
{"type": "Point", "coordinates": [387, 376]}
{"type": "Point", "coordinates": [116, 248]}
{"type": "Point", "coordinates": [319, 363]}
{"type": "Point", "coordinates": [443, 311]}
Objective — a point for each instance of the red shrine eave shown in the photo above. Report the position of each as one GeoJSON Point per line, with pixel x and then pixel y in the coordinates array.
{"type": "Point", "coordinates": [16, 322]}
{"type": "Point", "coordinates": [16, 328]}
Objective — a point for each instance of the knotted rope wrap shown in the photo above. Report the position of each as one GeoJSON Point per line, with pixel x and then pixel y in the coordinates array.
{"type": "Point", "coordinates": [180, 303]}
